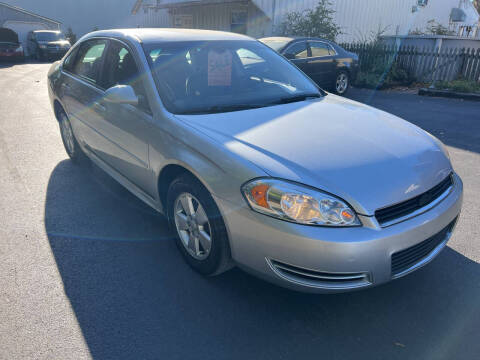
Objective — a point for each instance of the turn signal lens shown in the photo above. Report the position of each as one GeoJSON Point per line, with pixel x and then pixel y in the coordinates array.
{"type": "Point", "coordinates": [297, 203]}
{"type": "Point", "coordinates": [259, 194]}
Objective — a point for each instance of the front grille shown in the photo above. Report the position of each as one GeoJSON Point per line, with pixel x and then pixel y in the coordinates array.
{"type": "Point", "coordinates": [407, 207]}
{"type": "Point", "coordinates": [319, 279]}
{"type": "Point", "coordinates": [411, 257]}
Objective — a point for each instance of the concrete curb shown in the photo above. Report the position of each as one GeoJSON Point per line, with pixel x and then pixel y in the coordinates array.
{"type": "Point", "coordinates": [449, 94]}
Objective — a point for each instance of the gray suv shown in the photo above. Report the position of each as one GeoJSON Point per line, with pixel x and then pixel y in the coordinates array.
{"type": "Point", "coordinates": [47, 45]}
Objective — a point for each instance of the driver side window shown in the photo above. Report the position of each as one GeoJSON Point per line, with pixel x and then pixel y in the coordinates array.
{"type": "Point", "coordinates": [297, 51]}
{"type": "Point", "coordinates": [121, 69]}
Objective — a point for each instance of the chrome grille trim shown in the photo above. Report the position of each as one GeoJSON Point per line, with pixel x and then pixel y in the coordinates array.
{"type": "Point", "coordinates": [418, 211]}
{"type": "Point", "coordinates": [316, 279]}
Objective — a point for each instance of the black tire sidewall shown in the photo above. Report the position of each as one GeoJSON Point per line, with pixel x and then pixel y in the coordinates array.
{"type": "Point", "coordinates": [220, 249]}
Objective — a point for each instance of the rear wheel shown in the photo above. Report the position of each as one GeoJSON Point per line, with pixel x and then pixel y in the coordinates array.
{"type": "Point", "coordinates": [342, 83]}
{"type": "Point", "coordinates": [199, 228]}
{"type": "Point", "coordinates": [70, 143]}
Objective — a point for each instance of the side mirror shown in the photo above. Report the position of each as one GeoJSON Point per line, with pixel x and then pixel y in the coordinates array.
{"type": "Point", "coordinates": [121, 94]}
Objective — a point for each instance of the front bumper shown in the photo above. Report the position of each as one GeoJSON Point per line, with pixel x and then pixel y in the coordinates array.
{"type": "Point", "coordinates": [53, 53]}
{"type": "Point", "coordinates": [11, 55]}
{"type": "Point", "coordinates": [341, 258]}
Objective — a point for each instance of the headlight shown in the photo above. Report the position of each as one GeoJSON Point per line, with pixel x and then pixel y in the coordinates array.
{"type": "Point", "coordinates": [297, 203]}
{"type": "Point", "coordinates": [42, 46]}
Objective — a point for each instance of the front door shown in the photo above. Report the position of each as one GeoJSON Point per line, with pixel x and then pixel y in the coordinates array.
{"type": "Point", "coordinates": [322, 63]}
{"type": "Point", "coordinates": [297, 53]}
{"type": "Point", "coordinates": [127, 127]}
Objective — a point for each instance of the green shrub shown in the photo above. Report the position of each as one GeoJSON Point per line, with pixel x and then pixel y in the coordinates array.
{"type": "Point", "coordinates": [460, 85]}
{"type": "Point", "coordinates": [383, 75]}
{"type": "Point", "coordinates": [316, 22]}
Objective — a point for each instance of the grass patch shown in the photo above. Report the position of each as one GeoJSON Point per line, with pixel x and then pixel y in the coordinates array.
{"type": "Point", "coordinates": [382, 76]}
{"type": "Point", "coordinates": [460, 85]}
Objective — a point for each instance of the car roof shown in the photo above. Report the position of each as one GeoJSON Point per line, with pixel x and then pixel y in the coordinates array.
{"type": "Point", "coordinates": [293, 38]}
{"type": "Point", "coordinates": [146, 35]}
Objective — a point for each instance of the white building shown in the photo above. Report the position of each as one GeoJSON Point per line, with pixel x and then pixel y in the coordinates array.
{"type": "Point", "coordinates": [81, 15]}
{"type": "Point", "coordinates": [359, 19]}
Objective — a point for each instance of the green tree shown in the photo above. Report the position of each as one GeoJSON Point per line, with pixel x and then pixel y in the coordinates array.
{"type": "Point", "coordinates": [71, 36]}
{"type": "Point", "coordinates": [317, 22]}
{"type": "Point", "coordinates": [476, 3]}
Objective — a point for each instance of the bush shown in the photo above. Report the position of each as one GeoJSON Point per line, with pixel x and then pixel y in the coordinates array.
{"type": "Point", "coordinates": [383, 75]}
{"type": "Point", "coordinates": [460, 85]}
{"type": "Point", "coordinates": [318, 22]}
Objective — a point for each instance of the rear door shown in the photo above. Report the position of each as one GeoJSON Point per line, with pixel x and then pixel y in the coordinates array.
{"type": "Point", "coordinates": [298, 54]}
{"type": "Point", "coordinates": [126, 127]}
{"type": "Point", "coordinates": [322, 63]}
{"type": "Point", "coordinates": [81, 92]}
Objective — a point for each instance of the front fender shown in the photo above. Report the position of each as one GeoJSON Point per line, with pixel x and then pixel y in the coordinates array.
{"type": "Point", "coordinates": [220, 171]}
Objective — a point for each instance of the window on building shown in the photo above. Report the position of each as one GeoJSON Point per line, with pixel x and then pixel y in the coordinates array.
{"type": "Point", "coordinates": [238, 22]}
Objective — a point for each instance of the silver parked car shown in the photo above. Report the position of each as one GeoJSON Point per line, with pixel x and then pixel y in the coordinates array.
{"type": "Point", "coordinates": [251, 162]}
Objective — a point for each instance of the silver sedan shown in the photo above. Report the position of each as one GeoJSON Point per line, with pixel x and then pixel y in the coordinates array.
{"type": "Point", "coordinates": [251, 162]}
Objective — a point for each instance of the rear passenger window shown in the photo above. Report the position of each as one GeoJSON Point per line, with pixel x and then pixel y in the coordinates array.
{"type": "Point", "coordinates": [89, 59]}
{"type": "Point", "coordinates": [70, 60]}
{"type": "Point", "coordinates": [320, 49]}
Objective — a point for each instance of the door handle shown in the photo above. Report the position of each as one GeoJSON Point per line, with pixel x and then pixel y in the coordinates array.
{"type": "Point", "coordinates": [99, 106]}
{"type": "Point", "coordinates": [66, 86]}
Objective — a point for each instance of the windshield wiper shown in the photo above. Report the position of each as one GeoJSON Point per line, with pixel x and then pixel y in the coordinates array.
{"type": "Point", "coordinates": [222, 108]}
{"type": "Point", "coordinates": [296, 98]}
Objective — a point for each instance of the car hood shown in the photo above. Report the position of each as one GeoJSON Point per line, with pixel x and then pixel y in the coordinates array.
{"type": "Point", "coordinates": [8, 36]}
{"type": "Point", "coordinates": [368, 157]}
{"type": "Point", "coordinates": [59, 42]}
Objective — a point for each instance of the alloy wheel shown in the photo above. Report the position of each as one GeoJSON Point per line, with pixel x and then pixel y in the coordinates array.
{"type": "Point", "coordinates": [193, 226]}
{"type": "Point", "coordinates": [342, 83]}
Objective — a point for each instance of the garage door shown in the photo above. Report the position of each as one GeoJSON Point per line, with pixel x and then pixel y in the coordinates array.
{"type": "Point", "coordinates": [22, 28]}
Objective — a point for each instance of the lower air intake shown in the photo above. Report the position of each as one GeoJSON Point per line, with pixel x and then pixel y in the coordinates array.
{"type": "Point", "coordinates": [319, 279]}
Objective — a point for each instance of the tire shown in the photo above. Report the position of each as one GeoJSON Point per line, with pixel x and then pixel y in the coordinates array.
{"type": "Point", "coordinates": [342, 83]}
{"type": "Point", "coordinates": [207, 261]}
{"type": "Point", "coordinates": [70, 143]}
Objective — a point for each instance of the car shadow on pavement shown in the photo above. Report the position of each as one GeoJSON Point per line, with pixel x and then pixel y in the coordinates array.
{"type": "Point", "coordinates": [135, 298]}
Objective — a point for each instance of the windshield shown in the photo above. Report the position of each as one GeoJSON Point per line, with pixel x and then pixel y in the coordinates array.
{"type": "Point", "coordinates": [276, 45]}
{"type": "Point", "coordinates": [219, 76]}
{"type": "Point", "coordinates": [49, 36]}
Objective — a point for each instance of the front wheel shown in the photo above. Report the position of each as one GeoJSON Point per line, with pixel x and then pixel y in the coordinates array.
{"type": "Point", "coordinates": [200, 231]}
{"type": "Point", "coordinates": [342, 83]}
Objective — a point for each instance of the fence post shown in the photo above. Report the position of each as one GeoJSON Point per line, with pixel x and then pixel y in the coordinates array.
{"type": "Point", "coordinates": [476, 71]}
{"type": "Point", "coordinates": [438, 48]}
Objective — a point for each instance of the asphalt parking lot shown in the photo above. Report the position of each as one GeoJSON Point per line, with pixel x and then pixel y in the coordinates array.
{"type": "Point", "coordinates": [88, 271]}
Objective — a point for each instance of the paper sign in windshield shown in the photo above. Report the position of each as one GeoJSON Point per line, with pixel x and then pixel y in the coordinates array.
{"type": "Point", "coordinates": [219, 68]}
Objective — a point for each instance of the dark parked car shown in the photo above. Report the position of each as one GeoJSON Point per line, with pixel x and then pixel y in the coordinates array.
{"type": "Point", "coordinates": [47, 44]}
{"type": "Point", "coordinates": [327, 63]}
{"type": "Point", "coordinates": [10, 47]}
